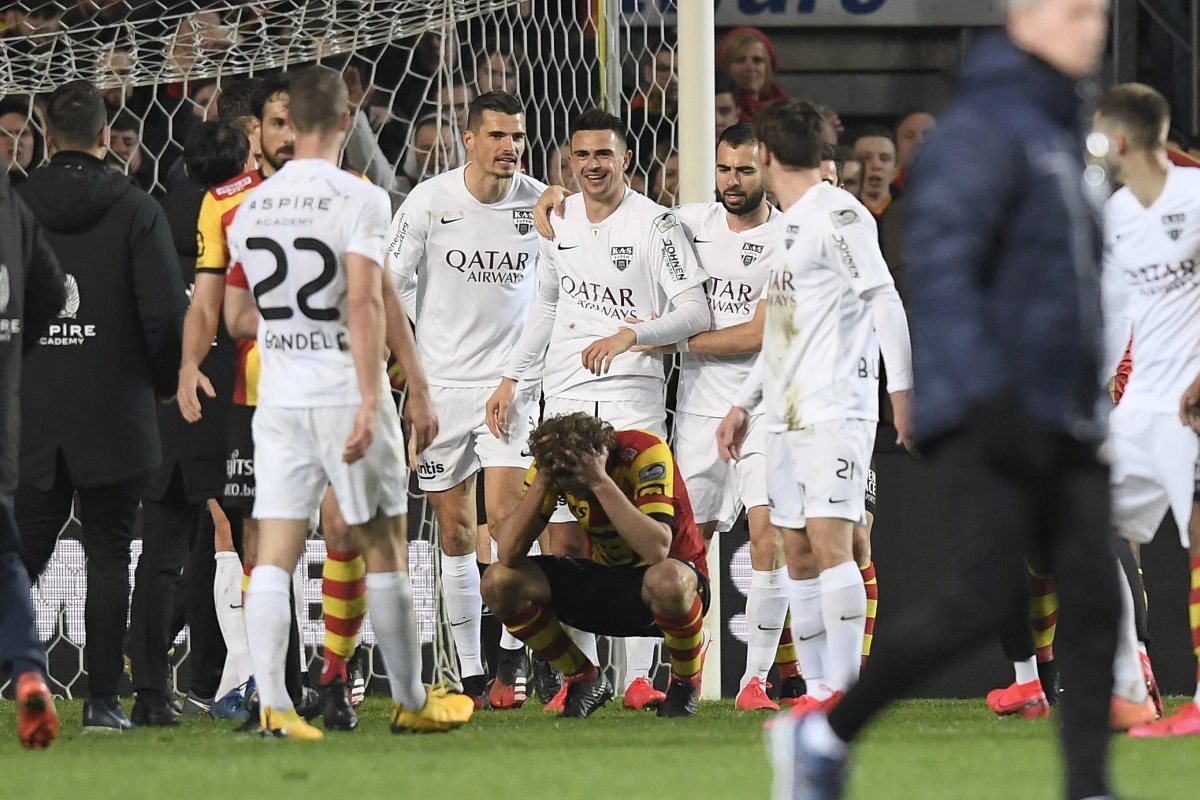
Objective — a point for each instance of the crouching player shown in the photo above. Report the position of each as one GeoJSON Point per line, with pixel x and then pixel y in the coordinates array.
{"type": "Point", "coordinates": [646, 576]}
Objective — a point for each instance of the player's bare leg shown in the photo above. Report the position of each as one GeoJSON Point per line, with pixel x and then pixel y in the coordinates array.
{"type": "Point", "coordinates": [502, 492]}
{"type": "Point", "coordinates": [520, 596]}
{"type": "Point", "coordinates": [1186, 719]}
{"type": "Point", "coordinates": [672, 592]}
{"type": "Point", "coordinates": [455, 512]}
{"type": "Point", "coordinates": [344, 604]}
{"type": "Point", "coordinates": [769, 636]}
{"type": "Point", "coordinates": [569, 540]}
{"type": "Point", "coordinates": [268, 622]}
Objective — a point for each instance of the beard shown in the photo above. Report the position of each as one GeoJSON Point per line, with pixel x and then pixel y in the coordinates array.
{"type": "Point", "coordinates": [279, 158]}
{"type": "Point", "coordinates": [748, 206]}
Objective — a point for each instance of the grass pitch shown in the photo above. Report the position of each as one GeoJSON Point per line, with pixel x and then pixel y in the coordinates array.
{"type": "Point", "coordinates": [921, 750]}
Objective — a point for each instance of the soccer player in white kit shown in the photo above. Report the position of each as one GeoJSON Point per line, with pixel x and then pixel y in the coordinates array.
{"type": "Point", "coordinates": [467, 238]}
{"type": "Point", "coordinates": [735, 242]}
{"type": "Point", "coordinates": [616, 257]}
{"type": "Point", "coordinates": [1152, 233]}
{"type": "Point", "coordinates": [829, 293]}
{"type": "Point", "coordinates": [307, 250]}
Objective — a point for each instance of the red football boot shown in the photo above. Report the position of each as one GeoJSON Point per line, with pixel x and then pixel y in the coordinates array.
{"type": "Point", "coordinates": [1184, 722]}
{"type": "Point", "coordinates": [753, 697]}
{"type": "Point", "coordinates": [642, 695]}
{"type": "Point", "coordinates": [1023, 699]}
{"type": "Point", "coordinates": [37, 721]}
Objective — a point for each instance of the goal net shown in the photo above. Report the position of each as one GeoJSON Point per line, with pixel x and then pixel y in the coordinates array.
{"type": "Point", "coordinates": [412, 67]}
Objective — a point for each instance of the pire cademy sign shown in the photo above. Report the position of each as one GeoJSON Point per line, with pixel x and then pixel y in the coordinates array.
{"type": "Point", "coordinates": [797, 13]}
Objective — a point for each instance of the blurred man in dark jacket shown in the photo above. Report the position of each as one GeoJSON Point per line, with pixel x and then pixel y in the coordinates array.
{"type": "Point", "coordinates": [32, 292]}
{"type": "Point", "coordinates": [88, 415]}
{"type": "Point", "coordinates": [1004, 303]}
{"type": "Point", "coordinates": [174, 514]}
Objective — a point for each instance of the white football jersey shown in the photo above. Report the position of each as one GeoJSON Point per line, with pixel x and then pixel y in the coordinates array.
{"type": "Point", "coordinates": [475, 270]}
{"type": "Point", "coordinates": [819, 341]}
{"type": "Point", "coordinates": [737, 265]}
{"type": "Point", "coordinates": [631, 264]}
{"type": "Point", "coordinates": [1157, 250]}
{"type": "Point", "coordinates": [290, 238]}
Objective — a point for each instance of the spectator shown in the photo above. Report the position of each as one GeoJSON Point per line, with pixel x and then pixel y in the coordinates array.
{"type": "Point", "coordinates": [832, 163]}
{"type": "Point", "coordinates": [498, 68]}
{"type": "Point", "coordinates": [833, 126]}
{"type": "Point", "coordinates": [22, 145]}
{"type": "Point", "coordinates": [432, 151]}
{"type": "Point", "coordinates": [852, 176]}
{"type": "Point", "coordinates": [174, 515]}
{"type": "Point", "coordinates": [877, 150]}
{"type": "Point", "coordinates": [454, 100]}
{"type": "Point", "coordinates": [558, 168]}
{"type": "Point", "coordinates": [911, 131]}
{"type": "Point", "coordinates": [32, 292]}
{"type": "Point", "coordinates": [663, 181]}
{"type": "Point", "coordinates": [726, 104]}
{"type": "Point", "coordinates": [203, 99]}
{"type": "Point", "coordinates": [654, 107]}
{"type": "Point", "coordinates": [362, 153]}
{"type": "Point", "coordinates": [116, 345]}
{"type": "Point", "coordinates": [748, 57]}
{"type": "Point", "coordinates": [125, 142]}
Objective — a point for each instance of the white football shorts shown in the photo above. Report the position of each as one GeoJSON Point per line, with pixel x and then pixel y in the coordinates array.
{"type": "Point", "coordinates": [719, 490]}
{"type": "Point", "coordinates": [1154, 468]}
{"type": "Point", "coordinates": [464, 444]}
{"type": "Point", "coordinates": [643, 415]}
{"type": "Point", "coordinates": [820, 472]}
{"type": "Point", "coordinates": [298, 452]}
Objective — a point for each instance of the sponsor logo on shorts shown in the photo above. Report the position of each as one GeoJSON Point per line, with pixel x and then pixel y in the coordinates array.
{"type": "Point", "coordinates": [235, 466]}
{"type": "Point", "coordinates": [430, 469]}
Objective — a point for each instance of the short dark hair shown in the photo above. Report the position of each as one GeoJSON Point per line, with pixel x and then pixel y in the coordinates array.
{"type": "Point", "coordinates": [874, 132]}
{"type": "Point", "coordinates": [738, 135]}
{"type": "Point", "coordinates": [912, 111]}
{"type": "Point", "coordinates": [725, 85]}
{"type": "Point", "coordinates": [236, 100]}
{"type": "Point", "coordinates": [317, 97]}
{"type": "Point", "coordinates": [499, 102]}
{"type": "Point", "coordinates": [125, 121]}
{"type": "Point", "coordinates": [215, 151]}
{"type": "Point", "coordinates": [75, 115]}
{"type": "Point", "coordinates": [267, 88]}
{"type": "Point", "coordinates": [597, 119]}
{"type": "Point", "coordinates": [1142, 111]}
{"type": "Point", "coordinates": [794, 132]}
{"type": "Point", "coordinates": [565, 435]}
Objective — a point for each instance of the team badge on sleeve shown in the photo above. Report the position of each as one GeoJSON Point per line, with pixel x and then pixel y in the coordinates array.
{"type": "Point", "coordinates": [522, 221]}
{"type": "Point", "coordinates": [846, 216]}
{"type": "Point", "coordinates": [652, 472]}
{"type": "Point", "coordinates": [665, 222]}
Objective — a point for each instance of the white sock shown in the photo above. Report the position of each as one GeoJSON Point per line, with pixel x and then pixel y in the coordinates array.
{"type": "Point", "coordinates": [640, 654]}
{"type": "Point", "coordinates": [1026, 671]}
{"type": "Point", "coordinates": [1128, 681]}
{"type": "Point", "coordinates": [808, 633]}
{"type": "Point", "coordinates": [844, 607]}
{"type": "Point", "coordinates": [584, 641]}
{"type": "Point", "coordinates": [510, 642]}
{"type": "Point", "coordinates": [268, 622]}
{"type": "Point", "coordinates": [390, 605]}
{"type": "Point", "coordinates": [227, 595]}
{"type": "Point", "coordinates": [818, 736]}
{"type": "Point", "coordinates": [766, 609]}
{"type": "Point", "coordinates": [464, 607]}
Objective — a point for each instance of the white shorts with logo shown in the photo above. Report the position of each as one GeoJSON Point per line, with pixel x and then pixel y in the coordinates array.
{"type": "Point", "coordinates": [298, 452]}
{"type": "Point", "coordinates": [464, 444]}
{"type": "Point", "coordinates": [1154, 469]}
{"type": "Point", "coordinates": [643, 415]}
{"type": "Point", "coordinates": [719, 490]}
{"type": "Point", "coordinates": [820, 472]}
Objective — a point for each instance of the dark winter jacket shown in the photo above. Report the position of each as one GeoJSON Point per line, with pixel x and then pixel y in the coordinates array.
{"type": "Point", "coordinates": [32, 292]}
{"type": "Point", "coordinates": [90, 390]}
{"type": "Point", "coordinates": [197, 449]}
{"type": "Point", "coordinates": [1004, 249]}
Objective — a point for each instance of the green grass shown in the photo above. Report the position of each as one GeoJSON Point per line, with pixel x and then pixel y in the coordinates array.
{"type": "Point", "coordinates": [921, 750]}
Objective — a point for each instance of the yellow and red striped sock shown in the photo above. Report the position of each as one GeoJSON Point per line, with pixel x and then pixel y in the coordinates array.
{"type": "Point", "coordinates": [1045, 615]}
{"type": "Point", "coordinates": [871, 584]}
{"type": "Point", "coordinates": [538, 626]}
{"type": "Point", "coordinates": [684, 637]}
{"type": "Point", "coordinates": [344, 604]}
{"type": "Point", "coordinates": [1194, 615]}
{"type": "Point", "coordinates": [785, 653]}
